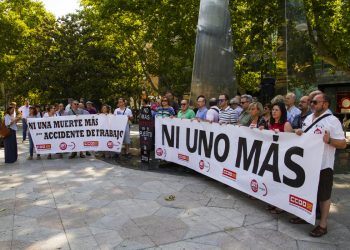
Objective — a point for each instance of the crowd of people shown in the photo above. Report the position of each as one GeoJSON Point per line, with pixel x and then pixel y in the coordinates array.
{"type": "Point", "coordinates": [74, 107]}
{"type": "Point", "coordinates": [311, 115]}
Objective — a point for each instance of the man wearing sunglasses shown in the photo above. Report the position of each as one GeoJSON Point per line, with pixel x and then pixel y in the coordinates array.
{"type": "Point", "coordinates": [333, 137]}
{"type": "Point", "coordinates": [245, 118]}
{"type": "Point", "coordinates": [227, 115]}
{"type": "Point", "coordinates": [185, 112]}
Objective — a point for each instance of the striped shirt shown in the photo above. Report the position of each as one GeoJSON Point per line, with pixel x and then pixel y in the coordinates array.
{"type": "Point", "coordinates": [228, 115]}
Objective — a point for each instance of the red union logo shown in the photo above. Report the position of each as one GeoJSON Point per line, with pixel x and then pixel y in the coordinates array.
{"type": "Point", "coordinates": [63, 146]}
{"type": "Point", "coordinates": [229, 174]}
{"type": "Point", "coordinates": [254, 186]}
{"type": "Point", "coordinates": [92, 144]}
{"type": "Point", "coordinates": [110, 144]}
{"type": "Point", "coordinates": [183, 157]}
{"type": "Point", "coordinates": [159, 151]}
{"type": "Point", "coordinates": [299, 202]}
{"type": "Point", "coordinates": [43, 146]}
{"type": "Point", "coordinates": [201, 164]}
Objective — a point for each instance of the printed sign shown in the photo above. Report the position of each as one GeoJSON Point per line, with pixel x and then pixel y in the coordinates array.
{"type": "Point", "coordinates": [146, 129]}
{"type": "Point", "coordinates": [278, 168]}
{"type": "Point", "coordinates": [77, 133]}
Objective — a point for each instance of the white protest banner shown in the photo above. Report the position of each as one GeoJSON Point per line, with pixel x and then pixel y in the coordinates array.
{"type": "Point", "coordinates": [62, 134]}
{"type": "Point", "coordinates": [279, 168]}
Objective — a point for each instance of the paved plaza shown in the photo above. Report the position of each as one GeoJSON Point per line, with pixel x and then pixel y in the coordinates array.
{"type": "Point", "coordinates": [93, 204]}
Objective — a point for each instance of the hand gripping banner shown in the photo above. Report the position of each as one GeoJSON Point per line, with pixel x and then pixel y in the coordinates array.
{"type": "Point", "coordinates": [279, 168]}
{"type": "Point", "coordinates": [62, 134]}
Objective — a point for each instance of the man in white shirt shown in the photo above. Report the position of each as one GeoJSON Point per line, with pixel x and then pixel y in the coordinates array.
{"type": "Point", "coordinates": [333, 136]}
{"type": "Point", "coordinates": [25, 113]}
{"type": "Point", "coordinates": [213, 112]}
{"type": "Point", "coordinates": [123, 110]}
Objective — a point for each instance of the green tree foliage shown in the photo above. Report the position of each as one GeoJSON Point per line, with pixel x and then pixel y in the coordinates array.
{"type": "Point", "coordinates": [328, 24]}
{"type": "Point", "coordinates": [112, 48]}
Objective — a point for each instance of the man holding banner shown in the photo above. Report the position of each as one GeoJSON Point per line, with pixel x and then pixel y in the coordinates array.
{"type": "Point", "coordinates": [75, 110]}
{"type": "Point", "coordinates": [322, 121]}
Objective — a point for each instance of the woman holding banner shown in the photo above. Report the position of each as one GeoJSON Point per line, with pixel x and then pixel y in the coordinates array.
{"type": "Point", "coordinates": [278, 121]}
{"type": "Point", "coordinates": [165, 110]}
{"type": "Point", "coordinates": [256, 110]}
{"type": "Point", "coordinates": [10, 142]}
{"type": "Point", "coordinates": [32, 114]}
{"type": "Point", "coordinates": [51, 112]}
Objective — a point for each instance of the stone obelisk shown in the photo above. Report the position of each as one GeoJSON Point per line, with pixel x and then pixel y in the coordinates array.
{"type": "Point", "coordinates": [213, 68]}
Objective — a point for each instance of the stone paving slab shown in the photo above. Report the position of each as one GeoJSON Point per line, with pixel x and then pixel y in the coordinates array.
{"type": "Point", "coordinates": [92, 204]}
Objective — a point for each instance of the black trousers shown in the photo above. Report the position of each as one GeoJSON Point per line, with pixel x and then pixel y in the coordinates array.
{"type": "Point", "coordinates": [10, 144]}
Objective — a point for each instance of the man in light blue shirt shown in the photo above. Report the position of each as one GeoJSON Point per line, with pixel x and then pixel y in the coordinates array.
{"type": "Point", "coordinates": [202, 108]}
{"type": "Point", "coordinates": [292, 111]}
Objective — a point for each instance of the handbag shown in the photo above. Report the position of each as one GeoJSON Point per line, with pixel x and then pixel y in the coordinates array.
{"type": "Point", "coordinates": [4, 131]}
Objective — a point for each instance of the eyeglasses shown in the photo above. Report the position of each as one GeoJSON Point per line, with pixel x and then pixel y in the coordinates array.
{"type": "Point", "coordinates": [243, 102]}
{"type": "Point", "coordinates": [75, 103]}
{"type": "Point", "coordinates": [164, 100]}
{"type": "Point", "coordinates": [314, 102]}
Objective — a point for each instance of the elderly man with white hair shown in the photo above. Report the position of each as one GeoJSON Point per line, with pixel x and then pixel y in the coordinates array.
{"type": "Point", "coordinates": [292, 110]}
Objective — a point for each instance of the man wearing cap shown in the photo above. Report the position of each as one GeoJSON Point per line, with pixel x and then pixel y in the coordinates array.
{"type": "Point", "coordinates": [90, 108]}
{"type": "Point", "coordinates": [235, 105]}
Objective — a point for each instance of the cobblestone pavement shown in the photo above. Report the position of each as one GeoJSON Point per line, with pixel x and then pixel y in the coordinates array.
{"type": "Point", "coordinates": [92, 204]}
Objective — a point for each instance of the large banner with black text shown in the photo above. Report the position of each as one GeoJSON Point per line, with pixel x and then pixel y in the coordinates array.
{"type": "Point", "coordinates": [279, 168]}
{"type": "Point", "coordinates": [62, 134]}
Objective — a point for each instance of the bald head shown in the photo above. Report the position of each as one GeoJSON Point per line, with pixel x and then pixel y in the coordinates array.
{"type": "Point", "coordinates": [304, 104]}
{"type": "Point", "coordinates": [290, 100]}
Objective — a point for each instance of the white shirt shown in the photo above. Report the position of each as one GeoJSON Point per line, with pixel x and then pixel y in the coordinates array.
{"type": "Point", "coordinates": [125, 111]}
{"type": "Point", "coordinates": [24, 110]}
{"type": "Point", "coordinates": [333, 126]}
{"type": "Point", "coordinates": [8, 119]}
{"type": "Point", "coordinates": [213, 114]}
{"type": "Point", "coordinates": [67, 107]}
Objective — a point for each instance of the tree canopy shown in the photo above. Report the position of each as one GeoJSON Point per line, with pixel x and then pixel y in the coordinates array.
{"type": "Point", "coordinates": [114, 48]}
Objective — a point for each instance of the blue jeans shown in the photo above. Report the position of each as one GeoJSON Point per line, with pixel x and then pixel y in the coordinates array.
{"type": "Point", "coordinates": [25, 126]}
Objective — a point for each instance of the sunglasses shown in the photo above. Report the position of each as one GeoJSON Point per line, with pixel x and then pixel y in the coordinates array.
{"type": "Point", "coordinates": [222, 100]}
{"type": "Point", "coordinates": [314, 102]}
{"type": "Point", "coordinates": [183, 104]}
{"type": "Point", "coordinates": [164, 100]}
{"type": "Point", "coordinates": [243, 102]}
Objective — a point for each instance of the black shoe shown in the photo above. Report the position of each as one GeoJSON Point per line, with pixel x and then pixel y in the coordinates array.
{"type": "Point", "coordinates": [82, 155]}
{"type": "Point", "coordinates": [88, 153]}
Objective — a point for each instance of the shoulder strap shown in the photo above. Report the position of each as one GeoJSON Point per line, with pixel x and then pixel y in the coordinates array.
{"type": "Point", "coordinates": [316, 121]}
{"type": "Point", "coordinates": [215, 109]}
{"type": "Point", "coordinates": [73, 112]}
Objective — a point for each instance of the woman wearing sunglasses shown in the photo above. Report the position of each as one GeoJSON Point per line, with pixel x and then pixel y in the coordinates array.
{"type": "Point", "coordinates": [165, 110]}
